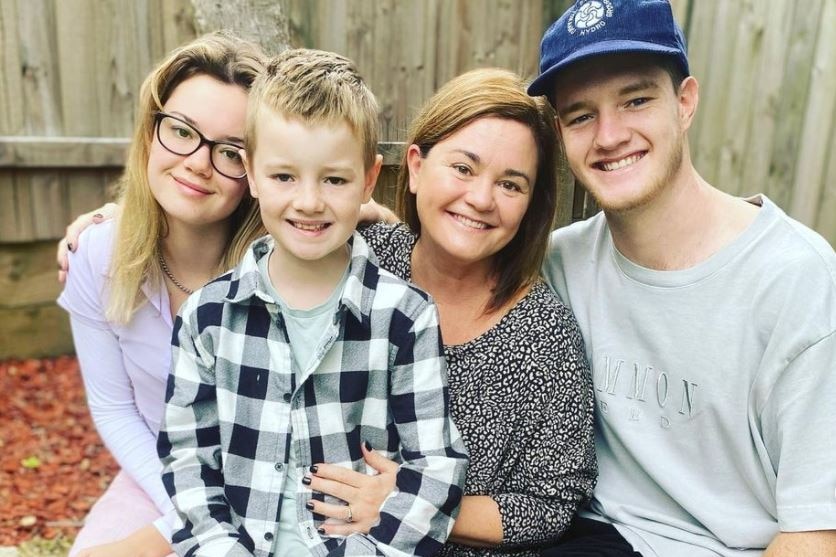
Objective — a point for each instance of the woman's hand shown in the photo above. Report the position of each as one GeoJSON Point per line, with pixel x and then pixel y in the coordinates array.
{"type": "Point", "coordinates": [145, 542]}
{"type": "Point", "coordinates": [372, 212]}
{"type": "Point", "coordinates": [364, 494]}
{"type": "Point", "coordinates": [70, 240]}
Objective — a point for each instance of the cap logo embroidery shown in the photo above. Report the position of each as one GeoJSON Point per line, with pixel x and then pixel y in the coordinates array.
{"type": "Point", "coordinates": [589, 17]}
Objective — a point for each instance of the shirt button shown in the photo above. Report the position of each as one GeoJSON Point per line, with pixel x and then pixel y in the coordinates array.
{"type": "Point", "coordinates": [278, 466]}
{"type": "Point", "coordinates": [268, 536]}
{"type": "Point", "coordinates": [287, 397]}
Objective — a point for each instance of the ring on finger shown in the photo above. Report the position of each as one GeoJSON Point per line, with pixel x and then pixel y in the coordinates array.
{"type": "Point", "coordinates": [350, 517]}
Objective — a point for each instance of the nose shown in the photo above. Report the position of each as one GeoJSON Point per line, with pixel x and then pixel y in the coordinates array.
{"type": "Point", "coordinates": [480, 194]}
{"type": "Point", "coordinates": [611, 131]}
{"type": "Point", "coordinates": [308, 198]}
{"type": "Point", "coordinates": [200, 162]}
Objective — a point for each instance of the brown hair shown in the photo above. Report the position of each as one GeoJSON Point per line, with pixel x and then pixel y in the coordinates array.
{"type": "Point", "coordinates": [494, 93]}
{"type": "Point", "coordinates": [317, 87]}
{"type": "Point", "coordinates": [142, 223]}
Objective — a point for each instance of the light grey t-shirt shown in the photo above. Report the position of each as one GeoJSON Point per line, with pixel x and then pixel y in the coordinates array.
{"type": "Point", "coordinates": [715, 386]}
{"type": "Point", "coordinates": [305, 329]}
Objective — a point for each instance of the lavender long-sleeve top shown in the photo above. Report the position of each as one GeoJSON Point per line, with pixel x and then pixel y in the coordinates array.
{"type": "Point", "coordinates": [125, 367]}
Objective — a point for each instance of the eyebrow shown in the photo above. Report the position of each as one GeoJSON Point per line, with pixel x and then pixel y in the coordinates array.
{"type": "Point", "coordinates": [574, 107]}
{"type": "Point", "coordinates": [279, 164]}
{"type": "Point", "coordinates": [507, 172]}
{"type": "Point", "coordinates": [337, 168]}
{"type": "Point", "coordinates": [641, 85]}
{"type": "Point", "coordinates": [192, 123]}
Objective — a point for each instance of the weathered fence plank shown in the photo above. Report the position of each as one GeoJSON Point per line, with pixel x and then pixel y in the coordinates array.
{"type": "Point", "coordinates": [30, 322]}
{"type": "Point", "coordinates": [798, 62]}
{"type": "Point", "coordinates": [38, 65]}
{"type": "Point", "coordinates": [62, 152]}
{"type": "Point", "coordinates": [811, 164]}
{"type": "Point", "coordinates": [826, 221]}
{"type": "Point", "coordinates": [763, 104]}
{"type": "Point", "coordinates": [11, 85]}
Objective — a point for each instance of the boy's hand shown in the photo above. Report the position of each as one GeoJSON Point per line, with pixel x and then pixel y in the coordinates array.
{"type": "Point", "coordinates": [70, 240]}
{"type": "Point", "coordinates": [372, 212]}
{"type": "Point", "coordinates": [145, 542]}
{"type": "Point", "coordinates": [364, 494]}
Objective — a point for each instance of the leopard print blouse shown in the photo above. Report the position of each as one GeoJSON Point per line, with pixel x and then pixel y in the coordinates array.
{"type": "Point", "coordinates": [521, 396]}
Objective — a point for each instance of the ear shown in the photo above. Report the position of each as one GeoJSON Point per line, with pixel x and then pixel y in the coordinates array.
{"type": "Point", "coordinates": [689, 98]}
{"type": "Point", "coordinates": [371, 178]}
{"type": "Point", "coordinates": [249, 168]}
{"type": "Point", "coordinates": [414, 159]}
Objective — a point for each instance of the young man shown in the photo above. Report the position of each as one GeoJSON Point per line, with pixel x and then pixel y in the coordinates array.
{"type": "Point", "coordinates": [709, 320]}
{"type": "Point", "coordinates": [307, 351]}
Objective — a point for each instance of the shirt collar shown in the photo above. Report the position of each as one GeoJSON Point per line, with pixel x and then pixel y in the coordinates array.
{"type": "Point", "coordinates": [247, 283]}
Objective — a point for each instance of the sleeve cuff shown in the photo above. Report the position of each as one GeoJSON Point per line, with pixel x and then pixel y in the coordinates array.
{"type": "Point", "coordinates": [807, 518]}
{"type": "Point", "coordinates": [165, 524]}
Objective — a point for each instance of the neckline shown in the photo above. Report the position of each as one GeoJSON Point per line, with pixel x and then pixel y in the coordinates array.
{"type": "Point", "coordinates": [516, 308]}
{"type": "Point", "coordinates": [704, 269]}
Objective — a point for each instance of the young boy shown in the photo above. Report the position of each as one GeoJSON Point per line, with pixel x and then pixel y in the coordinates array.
{"type": "Point", "coordinates": [307, 350]}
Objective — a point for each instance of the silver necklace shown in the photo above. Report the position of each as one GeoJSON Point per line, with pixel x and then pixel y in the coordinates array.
{"type": "Point", "coordinates": [176, 282]}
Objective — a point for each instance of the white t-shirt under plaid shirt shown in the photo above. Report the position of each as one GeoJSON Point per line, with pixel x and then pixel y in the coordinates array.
{"type": "Point", "coordinates": [232, 400]}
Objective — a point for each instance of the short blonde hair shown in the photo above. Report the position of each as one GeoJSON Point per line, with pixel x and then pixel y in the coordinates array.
{"type": "Point", "coordinates": [317, 87]}
{"type": "Point", "coordinates": [496, 93]}
{"type": "Point", "coordinates": [142, 223]}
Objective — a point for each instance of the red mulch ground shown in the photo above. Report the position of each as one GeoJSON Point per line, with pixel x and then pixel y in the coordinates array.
{"type": "Point", "coordinates": [43, 415]}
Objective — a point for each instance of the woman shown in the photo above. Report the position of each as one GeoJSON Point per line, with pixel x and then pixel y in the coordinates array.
{"type": "Point", "coordinates": [187, 216]}
{"type": "Point", "coordinates": [477, 194]}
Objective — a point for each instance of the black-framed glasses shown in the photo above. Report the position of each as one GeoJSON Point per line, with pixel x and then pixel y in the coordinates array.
{"type": "Point", "coordinates": [181, 138]}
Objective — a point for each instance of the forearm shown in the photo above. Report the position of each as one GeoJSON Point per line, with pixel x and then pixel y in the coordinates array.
{"type": "Point", "coordinates": [112, 403]}
{"type": "Point", "coordinates": [555, 467]}
{"type": "Point", "coordinates": [189, 446]}
{"type": "Point", "coordinates": [193, 478]}
{"type": "Point", "coordinates": [197, 491]}
{"type": "Point", "coordinates": [479, 523]}
{"type": "Point", "coordinates": [791, 544]}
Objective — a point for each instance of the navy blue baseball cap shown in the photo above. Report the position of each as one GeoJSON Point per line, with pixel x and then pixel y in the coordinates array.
{"type": "Point", "coordinates": [597, 27]}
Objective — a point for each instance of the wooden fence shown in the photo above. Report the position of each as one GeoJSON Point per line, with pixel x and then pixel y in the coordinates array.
{"type": "Point", "coordinates": [70, 71]}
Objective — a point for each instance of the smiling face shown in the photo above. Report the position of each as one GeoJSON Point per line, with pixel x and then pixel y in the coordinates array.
{"type": "Point", "coordinates": [623, 128]}
{"type": "Point", "coordinates": [310, 181]}
{"type": "Point", "coordinates": [188, 188]}
{"type": "Point", "coordinates": [473, 188]}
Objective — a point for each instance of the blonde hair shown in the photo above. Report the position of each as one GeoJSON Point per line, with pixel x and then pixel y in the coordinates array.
{"type": "Point", "coordinates": [317, 87]}
{"type": "Point", "coordinates": [497, 93]}
{"type": "Point", "coordinates": [142, 223]}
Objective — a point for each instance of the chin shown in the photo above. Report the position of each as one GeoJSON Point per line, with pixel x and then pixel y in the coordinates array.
{"type": "Point", "coordinates": [628, 201]}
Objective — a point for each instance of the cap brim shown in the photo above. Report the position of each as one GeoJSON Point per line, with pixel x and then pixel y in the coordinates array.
{"type": "Point", "coordinates": [543, 84]}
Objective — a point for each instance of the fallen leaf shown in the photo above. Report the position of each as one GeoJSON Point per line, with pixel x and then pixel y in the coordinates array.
{"type": "Point", "coordinates": [31, 462]}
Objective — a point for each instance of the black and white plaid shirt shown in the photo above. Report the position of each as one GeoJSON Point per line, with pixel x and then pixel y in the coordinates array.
{"type": "Point", "coordinates": [235, 408]}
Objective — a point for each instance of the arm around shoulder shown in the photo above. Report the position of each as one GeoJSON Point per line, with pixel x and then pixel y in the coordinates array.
{"type": "Point", "coordinates": [556, 469]}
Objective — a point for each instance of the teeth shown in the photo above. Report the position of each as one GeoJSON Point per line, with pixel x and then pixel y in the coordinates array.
{"type": "Point", "coordinates": [309, 227]}
{"type": "Point", "coordinates": [470, 222]}
{"type": "Point", "coordinates": [627, 161]}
